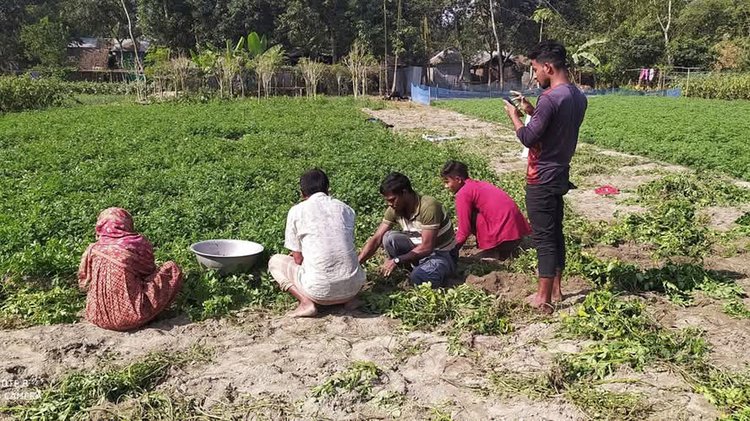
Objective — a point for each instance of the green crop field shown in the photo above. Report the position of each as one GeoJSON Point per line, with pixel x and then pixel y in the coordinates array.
{"type": "Point", "coordinates": [187, 173]}
{"type": "Point", "coordinates": [698, 133]}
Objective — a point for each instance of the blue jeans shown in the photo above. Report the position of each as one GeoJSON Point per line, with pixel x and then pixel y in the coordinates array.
{"type": "Point", "coordinates": [435, 268]}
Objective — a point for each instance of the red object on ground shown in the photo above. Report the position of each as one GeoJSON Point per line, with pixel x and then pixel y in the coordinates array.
{"type": "Point", "coordinates": [606, 190]}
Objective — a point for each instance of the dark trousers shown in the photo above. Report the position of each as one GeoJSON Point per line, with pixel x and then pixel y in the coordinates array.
{"type": "Point", "coordinates": [544, 205]}
{"type": "Point", "coordinates": [435, 268]}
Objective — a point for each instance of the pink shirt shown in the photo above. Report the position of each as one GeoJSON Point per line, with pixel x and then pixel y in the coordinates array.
{"type": "Point", "coordinates": [498, 218]}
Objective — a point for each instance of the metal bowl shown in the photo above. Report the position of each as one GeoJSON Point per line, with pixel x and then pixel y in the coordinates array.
{"type": "Point", "coordinates": [227, 256]}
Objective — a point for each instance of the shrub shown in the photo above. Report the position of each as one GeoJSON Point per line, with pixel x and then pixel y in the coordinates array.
{"type": "Point", "coordinates": [25, 93]}
{"type": "Point", "coordinates": [719, 86]}
{"type": "Point", "coordinates": [98, 88]}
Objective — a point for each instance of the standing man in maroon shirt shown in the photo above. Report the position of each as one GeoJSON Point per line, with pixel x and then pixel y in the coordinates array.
{"type": "Point", "coordinates": [551, 136]}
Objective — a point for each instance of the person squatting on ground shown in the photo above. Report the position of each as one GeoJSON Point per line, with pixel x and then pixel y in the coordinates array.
{"type": "Point", "coordinates": [426, 242]}
{"type": "Point", "coordinates": [486, 211]}
{"type": "Point", "coordinates": [551, 136]}
{"type": "Point", "coordinates": [322, 268]}
{"type": "Point", "coordinates": [125, 289]}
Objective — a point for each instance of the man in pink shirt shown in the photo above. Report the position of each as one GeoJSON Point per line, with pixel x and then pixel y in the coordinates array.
{"type": "Point", "coordinates": [486, 211]}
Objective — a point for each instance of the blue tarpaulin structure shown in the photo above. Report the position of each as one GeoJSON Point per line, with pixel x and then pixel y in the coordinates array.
{"type": "Point", "coordinates": [422, 94]}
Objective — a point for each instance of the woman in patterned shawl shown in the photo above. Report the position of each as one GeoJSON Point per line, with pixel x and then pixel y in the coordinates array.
{"type": "Point", "coordinates": [125, 289]}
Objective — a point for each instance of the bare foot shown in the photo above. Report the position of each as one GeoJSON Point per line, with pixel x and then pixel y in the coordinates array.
{"type": "Point", "coordinates": [304, 310]}
{"type": "Point", "coordinates": [539, 304]}
{"type": "Point", "coordinates": [557, 297]}
{"type": "Point", "coordinates": [353, 304]}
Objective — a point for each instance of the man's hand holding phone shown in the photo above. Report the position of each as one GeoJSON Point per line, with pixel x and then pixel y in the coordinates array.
{"type": "Point", "coordinates": [523, 103]}
{"type": "Point", "coordinates": [510, 107]}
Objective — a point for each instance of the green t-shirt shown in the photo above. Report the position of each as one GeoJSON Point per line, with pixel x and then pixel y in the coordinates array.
{"type": "Point", "coordinates": [430, 215]}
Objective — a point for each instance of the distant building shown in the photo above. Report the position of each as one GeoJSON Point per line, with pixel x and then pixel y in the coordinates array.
{"type": "Point", "coordinates": [103, 59]}
{"type": "Point", "coordinates": [450, 68]}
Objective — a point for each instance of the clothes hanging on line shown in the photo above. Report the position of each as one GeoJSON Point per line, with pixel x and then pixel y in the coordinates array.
{"type": "Point", "coordinates": [644, 75]}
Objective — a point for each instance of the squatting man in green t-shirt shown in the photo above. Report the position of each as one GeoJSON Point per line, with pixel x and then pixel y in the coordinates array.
{"type": "Point", "coordinates": [426, 242]}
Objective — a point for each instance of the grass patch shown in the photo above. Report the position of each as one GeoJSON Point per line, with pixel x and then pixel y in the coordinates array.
{"type": "Point", "coordinates": [440, 413]}
{"type": "Point", "coordinates": [98, 99]}
{"type": "Point", "coordinates": [535, 387]}
{"type": "Point", "coordinates": [76, 393]}
{"type": "Point", "coordinates": [677, 281]}
{"type": "Point", "coordinates": [737, 309]}
{"type": "Point", "coordinates": [624, 336]}
{"type": "Point", "coordinates": [684, 131]}
{"type": "Point", "coordinates": [207, 294]}
{"type": "Point", "coordinates": [359, 378]}
{"type": "Point", "coordinates": [627, 337]}
{"type": "Point", "coordinates": [672, 228]}
{"type": "Point", "coordinates": [158, 406]}
{"type": "Point", "coordinates": [730, 392]}
{"type": "Point", "coordinates": [457, 311]}
{"type": "Point", "coordinates": [588, 161]}
{"type": "Point", "coordinates": [700, 189]}
{"type": "Point", "coordinates": [24, 303]}
{"type": "Point", "coordinates": [605, 405]}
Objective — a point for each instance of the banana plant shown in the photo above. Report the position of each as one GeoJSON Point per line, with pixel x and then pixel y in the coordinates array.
{"type": "Point", "coordinates": [581, 52]}
{"type": "Point", "coordinates": [256, 44]}
{"type": "Point", "coordinates": [582, 56]}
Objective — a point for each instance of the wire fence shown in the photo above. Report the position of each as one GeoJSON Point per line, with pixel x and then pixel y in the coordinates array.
{"type": "Point", "coordinates": [424, 95]}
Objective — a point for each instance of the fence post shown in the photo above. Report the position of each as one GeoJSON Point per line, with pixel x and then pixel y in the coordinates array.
{"type": "Point", "coordinates": [687, 85]}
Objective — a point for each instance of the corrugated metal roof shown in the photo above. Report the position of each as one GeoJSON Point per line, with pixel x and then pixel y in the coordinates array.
{"type": "Point", "coordinates": [84, 42]}
{"type": "Point", "coordinates": [90, 42]}
{"type": "Point", "coordinates": [127, 45]}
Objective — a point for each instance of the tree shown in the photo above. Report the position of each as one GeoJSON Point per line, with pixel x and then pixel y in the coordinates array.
{"type": "Point", "coordinates": [101, 19]}
{"type": "Point", "coordinates": [540, 16]}
{"type": "Point", "coordinates": [311, 72]}
{"type": "Point", "coordinates": [139, 70]}
{"type": "Point", "coordinates": [12, 18]}
{"type": "Point", "coordinates": [582, 55]}
{"type": "Point", "coordinates": [398, 46]}
{"type": "Point", "coordinates": [466, 33]}
{"type": "Point", "coordinates": [206, 60]}
{"type": "Point", "coordinates": [358, 62]}
{"type": "Point", "coordinates": [98, 18]}
{"type": "Point", "coordinates": [266, 66]}
{"type": "Point", "coordinates": [256, 44]}
{"type": "Point", "coordinates": [319, 28]}
{"type": "Point", "coordinates": [45, 43]}
{"type": "Point", "coordinates": [500, 60]}
{"type": "Point", "coordinates": [664, 17]}
{"type": "Point", "coordinates": [168, 23]}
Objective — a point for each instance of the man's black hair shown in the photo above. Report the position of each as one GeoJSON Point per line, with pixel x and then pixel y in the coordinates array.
{"type": "Point", "coordinates": [455, 169]}
{"type": "Point", "coordinates": [551, 52]}
{"type": "Point", "coordinates": [313, 181]}
{"type": "Point", "coordinates": [396, 183]}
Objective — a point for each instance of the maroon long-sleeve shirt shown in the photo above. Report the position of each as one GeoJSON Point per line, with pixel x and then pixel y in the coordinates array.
{"type": "Point", "coordinates": [552, 133]}
{"type": "Point", "coordinates": [496, 219]}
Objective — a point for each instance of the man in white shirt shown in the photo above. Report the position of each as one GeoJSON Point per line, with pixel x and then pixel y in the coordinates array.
{"type": "Point", "coordinates": [323, 268]}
